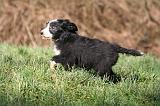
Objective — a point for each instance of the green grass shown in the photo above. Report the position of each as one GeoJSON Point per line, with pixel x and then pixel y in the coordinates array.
{"type": "Point", "coordinates": [26, 80]}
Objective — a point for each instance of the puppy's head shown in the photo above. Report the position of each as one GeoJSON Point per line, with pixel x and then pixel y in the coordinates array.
{"type": "Point", "coordinates": [55, 28]}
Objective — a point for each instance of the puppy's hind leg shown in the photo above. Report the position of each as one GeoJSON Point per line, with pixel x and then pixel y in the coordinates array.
{"type": "Point", "coordinates": [105, 71]}
{"type": "Point", "coordinates": [113, 77]}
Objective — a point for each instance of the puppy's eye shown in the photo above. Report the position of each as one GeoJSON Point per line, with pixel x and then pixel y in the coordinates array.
{"type": "Point", "coordinates": [53, 27]}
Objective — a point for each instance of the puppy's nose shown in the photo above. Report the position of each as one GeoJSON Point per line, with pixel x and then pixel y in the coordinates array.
{"type": "Point", "coordinates": [42, 28]}
{"type": "Point", "coordinates": [41, 33]}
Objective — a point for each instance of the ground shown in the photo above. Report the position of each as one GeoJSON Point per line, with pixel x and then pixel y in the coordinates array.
{"type": "Point", "coordinates": [26, 79]}
{"type": "Point", "coordinates": [130, 23]}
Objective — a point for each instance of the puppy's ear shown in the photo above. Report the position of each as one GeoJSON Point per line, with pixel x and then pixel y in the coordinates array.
{"type": "Point", "coordinates": [71, 27]}
{"type": "Point", "coordinates": [67, 37]}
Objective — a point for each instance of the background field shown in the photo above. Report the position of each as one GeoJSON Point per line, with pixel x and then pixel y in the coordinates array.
{"type": "Point", "coordinates": [26, 80]}
{"type": "Point", "coordinates": [130, 23]}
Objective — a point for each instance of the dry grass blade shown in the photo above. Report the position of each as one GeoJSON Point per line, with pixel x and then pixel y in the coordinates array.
{"type": "Point", "coordinates": [29, 33]}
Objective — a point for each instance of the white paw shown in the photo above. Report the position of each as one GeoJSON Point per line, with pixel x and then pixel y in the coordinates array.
{"type": "Point", "coordinates": [53, 65]}
{"type": "Point", "coordinates": [142, 53]}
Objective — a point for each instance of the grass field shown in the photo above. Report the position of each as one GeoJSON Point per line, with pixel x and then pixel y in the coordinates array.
{"type": "Point", "coordinates": [26, 80]}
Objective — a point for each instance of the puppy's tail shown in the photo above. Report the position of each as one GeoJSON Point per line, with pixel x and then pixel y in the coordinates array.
{"type": "Point", "coordinates": [128, 51]}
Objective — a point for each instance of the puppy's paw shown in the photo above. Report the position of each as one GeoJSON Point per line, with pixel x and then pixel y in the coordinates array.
{"type": "Point", "coordinates": [53, 65]}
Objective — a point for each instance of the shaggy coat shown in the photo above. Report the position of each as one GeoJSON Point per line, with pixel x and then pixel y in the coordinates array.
{"type": "Point", "coordinates": [79, 51]}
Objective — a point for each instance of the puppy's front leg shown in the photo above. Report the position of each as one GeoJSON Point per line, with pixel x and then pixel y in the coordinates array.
{"type": "Point", "coordinates": [55, 61]}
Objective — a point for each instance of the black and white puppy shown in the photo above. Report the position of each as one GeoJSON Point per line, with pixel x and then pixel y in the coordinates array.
{"type": "Point", "coordinates": [71, 49]}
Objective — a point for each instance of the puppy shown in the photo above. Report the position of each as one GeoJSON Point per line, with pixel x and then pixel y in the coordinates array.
{"type": "Point", "coordinates": [71, 49]}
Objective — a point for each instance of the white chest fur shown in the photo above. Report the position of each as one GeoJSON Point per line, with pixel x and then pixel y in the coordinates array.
{"type": "Point", "coordinates": [56, 51]}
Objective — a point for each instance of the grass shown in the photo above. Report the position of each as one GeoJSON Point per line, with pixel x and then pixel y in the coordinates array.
{"type": "Point", "coordinates": [26, 80]}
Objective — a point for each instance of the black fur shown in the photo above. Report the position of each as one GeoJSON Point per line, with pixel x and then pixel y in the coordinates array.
{"type": "Point", "coordinates": [83, 52]}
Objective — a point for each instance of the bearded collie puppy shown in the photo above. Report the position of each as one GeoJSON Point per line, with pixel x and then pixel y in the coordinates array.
{"type": "Point", "coordinates": [71, 49]}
